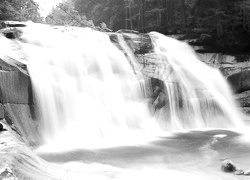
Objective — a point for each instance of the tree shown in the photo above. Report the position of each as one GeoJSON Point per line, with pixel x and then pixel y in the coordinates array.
{"type": "Point", "coordinates": [228, 21]}
{"type": "Point", "coordinates": [183, 13]}
{"type": "Point", "coordinates": [65, 14]}
{"type": "Point", "coordinates": [171, 12]}
{"type": "Point", "coordinates": [19, 10]}
{"type": "Point", "coordinates": [111, 12]}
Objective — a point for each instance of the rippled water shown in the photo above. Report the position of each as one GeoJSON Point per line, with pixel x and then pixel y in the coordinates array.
{"type": "Point", "coordinates": [190, 155]}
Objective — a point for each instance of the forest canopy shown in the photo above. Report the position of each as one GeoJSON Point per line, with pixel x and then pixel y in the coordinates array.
{"type": "Point", "coordinates": [19, 10]}
{"type": "Point", "coordinates": [228, 21]}
{"type": "Point", "coordinates": [164, 15]}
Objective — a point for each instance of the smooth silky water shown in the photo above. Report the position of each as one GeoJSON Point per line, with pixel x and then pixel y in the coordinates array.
{"type": "Point", "coordinates": [94, 115]}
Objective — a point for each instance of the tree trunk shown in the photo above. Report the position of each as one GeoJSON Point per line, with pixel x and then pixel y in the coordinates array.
{"type": "Point", "coordinates": [139, 19]}
{"type": "Point", "coordinates": [183, 13]}
{"type": "Point", "coordinates": [219, 26]}
{"type": "Point", "coordinates": [123, 15]}
{"type": "Point", "coordinates": [130, 16]}
{"type": "Point", "coordinates": [164, 21]}
{"type": "Point", "coordinates": [126, 15]}
{"type": "Point", "coordinates": [143, 15]}
{"type": "Point", "coordinates": [171, 12]}
{"type": "Point", "coordinates": [244, 17]}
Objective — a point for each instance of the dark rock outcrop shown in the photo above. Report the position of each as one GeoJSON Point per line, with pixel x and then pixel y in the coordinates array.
{"type": "Point", "coordinates": [7, 174]}
{"type": "Point", "coordinates": [228, 166]}
{"type": "Point", "coordinates": [240, 81]}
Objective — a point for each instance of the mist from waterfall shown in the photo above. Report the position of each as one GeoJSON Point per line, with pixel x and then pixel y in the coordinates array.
{"type": "Point", "coordinates": [88, 94]}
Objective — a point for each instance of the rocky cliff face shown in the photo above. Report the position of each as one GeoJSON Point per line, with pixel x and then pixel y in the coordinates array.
{"type": "Point", "coordinates": [237, 72]}
{"type": "Point", "coordinates": [16, 96]}
{"type": "Point", "coordinates": [235, 68]}
{"type": "Point", "coordinates": [17, 160]}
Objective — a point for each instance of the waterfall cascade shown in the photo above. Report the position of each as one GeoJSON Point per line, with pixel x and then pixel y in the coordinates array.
{"type": "Point", "coordinates": [85, 87]}
{"type": "Point", "coordinates": [197, 95]}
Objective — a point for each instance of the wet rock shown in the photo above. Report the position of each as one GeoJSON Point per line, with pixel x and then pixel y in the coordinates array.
{"type": "Point", "coordinates": [161, 100]}
{"type": "Point", "coordinates": [240, 81]}
{"type": "Point", "coordinates": [21, 116]}
{"type": "Point", "coordinates": [243, 99]}
{"type": "Point", "coordinates": [1, 127]}
{"type": "Point", "coordinates": [247, 173]}
{"type": "Point", "coordinates": [239, 172]}
{"type": "Point", "coordinates": [1, 112]}
{"type": "Point", "coordinates": [206, 39]}
{"type": "Point", "coordinates": [7, 174]}
{"type": "Point", "coordinates": [228, 166]}
{"type": "Point", "coordinates": [14, 87]}
{"type": "Point", "coordinates": [138, 43]}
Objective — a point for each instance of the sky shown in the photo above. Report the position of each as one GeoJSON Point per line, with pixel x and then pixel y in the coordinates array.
{"type": "Point", "coordinates": [46, 6]}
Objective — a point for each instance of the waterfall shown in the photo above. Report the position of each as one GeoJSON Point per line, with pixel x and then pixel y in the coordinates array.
{"type": "Point", "coordinates": [87, 89]}
{"type": "Point", "coordinates": [197, 95]}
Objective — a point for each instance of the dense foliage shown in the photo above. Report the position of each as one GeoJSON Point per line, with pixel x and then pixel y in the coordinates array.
{"type": "Point", "coordinates": [65, 14]}
{"type": "Point", "coordinates": [19, 10]}
{"type": "Point", "coordinates": [228, 21]}
{"type": "Point", "coordinates": [168, 15]}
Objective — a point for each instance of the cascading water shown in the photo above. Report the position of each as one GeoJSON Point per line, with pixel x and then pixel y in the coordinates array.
{"type": "Point", "coordinates": [86, 88]}
{"type": "Point", "coordinates": [197, 95]}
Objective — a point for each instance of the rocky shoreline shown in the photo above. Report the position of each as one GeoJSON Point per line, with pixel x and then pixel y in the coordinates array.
{"type": "Point", "coordinates": [18, 161]}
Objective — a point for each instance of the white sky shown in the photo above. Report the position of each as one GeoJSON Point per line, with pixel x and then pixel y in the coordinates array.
{"type": "Point", "coordinates": [46, 6]}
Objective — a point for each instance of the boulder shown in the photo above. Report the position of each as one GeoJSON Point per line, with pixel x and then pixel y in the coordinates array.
{"type": "Point", "coordinates": [7, 174]}
{"type": "Point", "coordinates": [206, 37]}
{"type": "Point", "coordinates": [243, 99]}
{"type": "Point", "coordinates": [239, 172]}
{"type": "Point", "coordinates": [228, 166]}
{"type": "Point", "coordinates": [138, 43]}
{"type": "Point", "coordinates": [240, 81]}
{"type": "Point", "coordinates": [247, 173]}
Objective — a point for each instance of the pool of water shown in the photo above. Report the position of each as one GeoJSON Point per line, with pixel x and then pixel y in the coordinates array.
{"type": "Point", "coordinates": [191, 155]}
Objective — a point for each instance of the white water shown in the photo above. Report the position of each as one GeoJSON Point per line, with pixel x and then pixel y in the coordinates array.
{"type": "Point", "coordinates": [198, 95]}
{"type": "Point", "coordinates": [88, 95]}
{"type": "Point", "coordinates": [86, 90]}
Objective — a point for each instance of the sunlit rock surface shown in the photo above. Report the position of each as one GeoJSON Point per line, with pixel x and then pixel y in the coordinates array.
{"type": "Point", "coordinates": [18, 161]}
{"type": "Point", "coordinates": [14, 87]}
